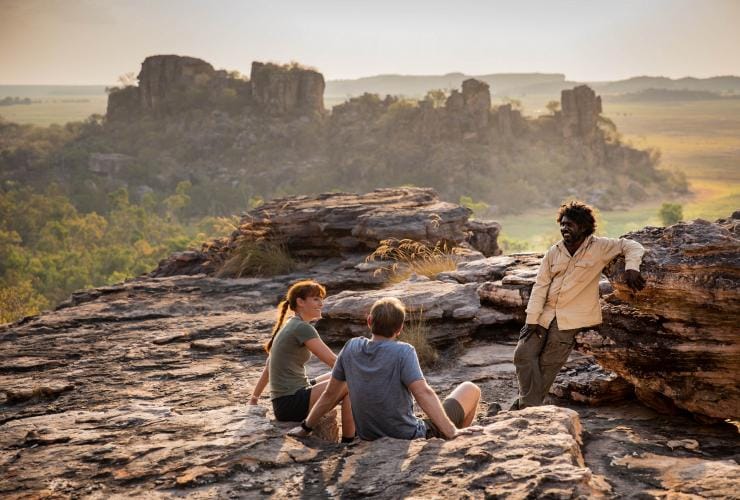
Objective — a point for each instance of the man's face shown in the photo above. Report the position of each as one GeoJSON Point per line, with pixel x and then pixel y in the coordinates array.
{"type": "Point", "coordinates": [571, 231]}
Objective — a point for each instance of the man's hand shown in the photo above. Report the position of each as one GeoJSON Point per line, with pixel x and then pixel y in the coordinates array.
{"type": "Point", "coordinates": [634, 280]}
{"type": "Point", "coordinates": [298, 432]}
{"type": "Point", "coordinates": [253, 401]}
{"type": "Point", "coordinates": [528, 329]}
{"type": "Point", "coordinates": [468, 430]}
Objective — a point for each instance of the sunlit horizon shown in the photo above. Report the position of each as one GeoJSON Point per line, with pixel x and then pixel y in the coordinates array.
{"type": "Point", "coordinates": [82, 42]}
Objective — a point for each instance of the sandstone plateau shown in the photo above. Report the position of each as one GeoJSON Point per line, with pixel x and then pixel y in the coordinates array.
{"type": "Point", "coordinates": [139, 389]}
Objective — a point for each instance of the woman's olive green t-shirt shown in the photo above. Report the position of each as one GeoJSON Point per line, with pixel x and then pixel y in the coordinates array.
{"type": "Point", "coordinates": [288, 357]}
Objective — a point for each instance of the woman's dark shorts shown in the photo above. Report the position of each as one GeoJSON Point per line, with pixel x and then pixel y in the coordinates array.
{"type": "Point", "coordinates": [454, 411]}
{"type": "Point", "coordinates": [292, 408]}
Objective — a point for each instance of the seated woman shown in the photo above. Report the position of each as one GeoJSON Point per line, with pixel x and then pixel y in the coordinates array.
{"type": "Point", "coordinates": [290, 347]}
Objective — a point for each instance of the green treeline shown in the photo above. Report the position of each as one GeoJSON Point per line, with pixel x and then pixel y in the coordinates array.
{"type": "Point", "coordinates": [48, 248]}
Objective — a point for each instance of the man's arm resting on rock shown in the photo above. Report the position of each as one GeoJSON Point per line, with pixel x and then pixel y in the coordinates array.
{"type": "Point", "coordinates": [430, 403]}
{"type": "Point", "coordinates": [633, 253]}
{"type": "Point", "coordinates": [261, 383]}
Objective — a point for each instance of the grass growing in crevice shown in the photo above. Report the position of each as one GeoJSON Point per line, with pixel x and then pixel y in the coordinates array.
{"type": "Point", "coordinates": [257, 258]}
{"type": "Point", "coordinates": [407, 257]}
{"type": "Point", "coordinates": [416, 332]}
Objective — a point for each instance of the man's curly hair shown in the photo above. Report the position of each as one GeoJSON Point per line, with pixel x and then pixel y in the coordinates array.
{"type": "Point", "coordinates": [580, 213]}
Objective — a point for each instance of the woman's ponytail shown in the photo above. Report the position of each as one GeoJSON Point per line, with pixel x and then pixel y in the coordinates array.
{"type": "Point", "coordinates": [282, 311]}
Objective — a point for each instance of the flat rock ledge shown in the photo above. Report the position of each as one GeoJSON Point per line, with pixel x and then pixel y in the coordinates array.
{"type": "Point", "coordinates": [143, 449]}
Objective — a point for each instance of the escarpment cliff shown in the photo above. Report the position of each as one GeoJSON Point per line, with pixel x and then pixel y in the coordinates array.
{"type": "Point", "coordinates": [235, 138]}
{"type": "Point", "coordinates": [169, 84]}
{"type": "Point", "coordinates": [139, 388]}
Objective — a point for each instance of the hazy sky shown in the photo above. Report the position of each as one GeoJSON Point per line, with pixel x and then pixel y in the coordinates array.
{"type": "Point", "coordinates": [95, 41]}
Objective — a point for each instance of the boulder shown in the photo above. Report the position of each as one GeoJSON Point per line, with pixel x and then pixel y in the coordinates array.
{"type": "Point", "coordinates": [533, 453]}
{"type": "Point", "coordinates": [678, 337]}
{"type": "Point", "coordinates": [582, 380]}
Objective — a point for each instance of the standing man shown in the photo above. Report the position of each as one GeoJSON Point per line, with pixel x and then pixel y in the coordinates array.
{"type": "Point", "coordinates": [565, 299]}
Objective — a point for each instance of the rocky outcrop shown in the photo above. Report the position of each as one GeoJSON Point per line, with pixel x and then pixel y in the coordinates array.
{"type": "Point", "coordinates": [109, 164]}
{"type": "Point", "coordinates": [171, 83]}
{"type": "Point", "coordinates": [162, 76]}
{"type": "Point", "coordinates": [287, 89]}
{"type": "Point", "coordinates": [477, 102]}
{"type": "Point", "coordinates": [337, 224]}
{"type": "Point", "coordinates": [141, 386]}
{"type": "Point", "coordinates": [679, 337]}
{"type": "Point", "coordinates": [581, 108]}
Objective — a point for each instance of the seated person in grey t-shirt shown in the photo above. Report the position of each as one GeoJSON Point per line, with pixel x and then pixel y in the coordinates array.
{"type": "Point", "coordinates": [381, 374]}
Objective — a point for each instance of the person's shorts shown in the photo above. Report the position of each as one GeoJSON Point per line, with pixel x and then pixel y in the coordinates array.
{"type": "Point", "coordinates": [454, 411]}
{"type": "Point", "coordinates": [293, 408]}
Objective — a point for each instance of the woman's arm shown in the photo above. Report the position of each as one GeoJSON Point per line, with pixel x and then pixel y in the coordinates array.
{"type": "Point", "coordinates": [261, 383]}
{"type": "Point", "coordinates": [321, 351]}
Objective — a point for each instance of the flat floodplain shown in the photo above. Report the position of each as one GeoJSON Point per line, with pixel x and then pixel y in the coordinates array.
{"type": "Point", "coordinates": [700, 138]}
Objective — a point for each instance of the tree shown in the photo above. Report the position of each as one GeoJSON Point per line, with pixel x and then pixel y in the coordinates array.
{"type": "Point", "coordinates": [553, 107]}
{"type": "Point", "coordinates": [670, 213]}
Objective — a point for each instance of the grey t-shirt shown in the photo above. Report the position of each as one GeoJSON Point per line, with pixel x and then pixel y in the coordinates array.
{"type": "Point", "coordinates": [378, 375]}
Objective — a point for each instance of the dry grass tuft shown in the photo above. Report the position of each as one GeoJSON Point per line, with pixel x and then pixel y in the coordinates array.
{"type": "Point", "coordinates": [257, 258]}
{"type": "Point", "coordinates": [416, 332]}
{"type": "Point", "coordinates": [413, 257]}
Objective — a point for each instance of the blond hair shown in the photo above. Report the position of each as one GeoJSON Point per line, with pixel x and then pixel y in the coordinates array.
{"type": "Point", "coordinates": [299, 290]}
{"type": "Point", "coordinates": [387, 316]}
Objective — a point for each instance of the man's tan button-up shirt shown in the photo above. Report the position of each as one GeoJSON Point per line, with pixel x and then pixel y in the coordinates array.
{"type": "Point", "coordinates": [567, 287]}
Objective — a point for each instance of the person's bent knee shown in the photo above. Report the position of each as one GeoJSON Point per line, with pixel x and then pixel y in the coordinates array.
{"type": "Point", "coordinates": [470, 386]}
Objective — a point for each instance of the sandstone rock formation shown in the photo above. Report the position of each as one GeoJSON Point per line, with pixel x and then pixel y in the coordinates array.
{"type": "Point", "coordinates": [163, 75]}
{"type": "Point", "coordinates": [171, 83]}
{"type": "Point", "coordinates": [282, 90]}
{"type": "Point", "coordinates": [680, 336]}
{"type": "Point", "coordinates": [581, 108]}
{"type": "Point", "coordinates": [336, 224]}
{"type": "Point", "coordinates": [477, 101]}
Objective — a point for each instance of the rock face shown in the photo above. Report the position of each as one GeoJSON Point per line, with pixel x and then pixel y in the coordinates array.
{"type": "Point", "coordinates": [161, 76]}
{"type": "Point", "coordinates": [581, 108]}
{"type": "Point", "coordinates": [477, 101]}
{"type": "Point", "coordinates": [171, 83]}
{"type": "Point", "coordinates": [282, 90]}
{"type": "Point", "coordinates": [336, 224]}
{"type": "Point", "coordinates": [680, 336]}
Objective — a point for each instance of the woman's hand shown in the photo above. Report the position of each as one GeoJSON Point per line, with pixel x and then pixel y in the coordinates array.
{"type": "Point", "coordinates": [253, 400]}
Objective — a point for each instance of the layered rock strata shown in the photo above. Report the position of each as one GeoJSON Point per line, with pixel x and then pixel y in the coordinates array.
{"type": "Point", "coordinates": [337, 224]}
{"type": "Point", "coordinates": [678, 338]}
